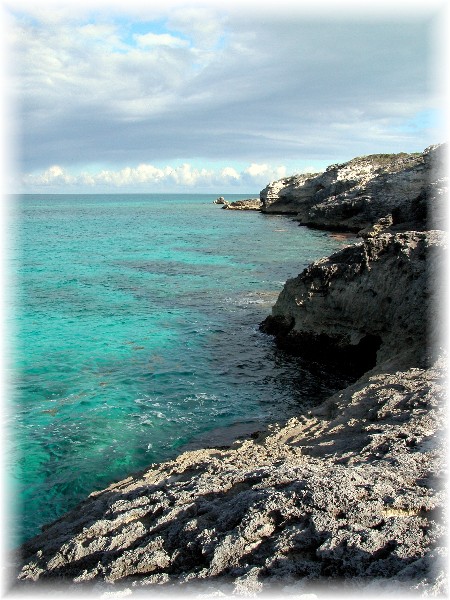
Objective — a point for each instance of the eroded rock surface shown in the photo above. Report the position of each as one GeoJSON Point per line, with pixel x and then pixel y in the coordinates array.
{"type": "Point", "coordinates": [347, 496]}
{"type": "Point", "coordinates": [248, 204]}
{"type": "Point", "coordinates": [366, 303]}
{"type": "Point", "coordinates": [409, 188]}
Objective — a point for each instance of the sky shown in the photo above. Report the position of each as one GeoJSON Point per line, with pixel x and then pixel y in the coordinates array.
{"type": "Point", "coordinates": [180, 96]}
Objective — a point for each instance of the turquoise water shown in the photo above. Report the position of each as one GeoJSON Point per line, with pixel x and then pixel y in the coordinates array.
{"type": "Point", "coordinates": [136, 330]}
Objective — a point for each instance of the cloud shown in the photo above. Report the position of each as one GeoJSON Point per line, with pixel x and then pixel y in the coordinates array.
{"type": "Point", "coordinates": [51, 176]}
{"type": "Point", "coordinates": [205, 26]}
{"type": "Point", "coordinates": [201, 82]}
{"type": "Point", "coordinates": [162, 39]}
{"type": "Point", "coordinates": [258, 170]}
{"type": "Point", "coordinates": [230, 173]}
{"type": "Point", "coordinates": [177, 178]}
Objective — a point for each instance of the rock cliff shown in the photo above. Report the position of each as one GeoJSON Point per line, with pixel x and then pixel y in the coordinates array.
{"type": "Point", "coordinates": [365, 304]}
{"type": "Point", "coordinates": [408, 188]}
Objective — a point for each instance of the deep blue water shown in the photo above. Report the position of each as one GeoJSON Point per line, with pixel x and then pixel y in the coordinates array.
{"type": "Point", "coordinates": [136, 329]}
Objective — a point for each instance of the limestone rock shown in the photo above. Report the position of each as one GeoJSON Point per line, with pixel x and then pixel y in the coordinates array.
{"type": "Point", "coordinates": [366, 303]}
{"type": "Point", "coordinates": [248, 204]}
{"type": "Point", "coordinates": [220, 200]}
{"type": "Point", "coordinates": [348, 496]}
{"type": "Point", "coordinates": [410, 188]}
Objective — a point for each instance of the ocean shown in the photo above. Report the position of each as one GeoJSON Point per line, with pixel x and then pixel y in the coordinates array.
{"type": "Point", "coordinates": [135, 330]}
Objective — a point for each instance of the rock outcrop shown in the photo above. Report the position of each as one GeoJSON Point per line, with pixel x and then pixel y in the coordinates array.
{"type": "Point", "coordinates": [366, 303]}
{"type": "Point", "coordinates": [248, 204]}
{"type": "Point", "coordinates": [351, 196]}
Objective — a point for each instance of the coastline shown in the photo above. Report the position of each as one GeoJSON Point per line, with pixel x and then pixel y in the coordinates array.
{"type": "Point", "coordinates": [351, 489]}
{"type": "Point", "coordinates": [267, 498]}
{"type": "Point", "coordinates": [129, 363]}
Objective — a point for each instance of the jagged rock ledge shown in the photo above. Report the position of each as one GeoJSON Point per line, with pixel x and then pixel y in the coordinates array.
{"type": "Point", "coordinates": [365, 304]}
{"type": "Point", "coordinates": [409, 189]}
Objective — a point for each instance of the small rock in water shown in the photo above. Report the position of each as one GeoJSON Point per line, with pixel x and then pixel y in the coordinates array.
{"type": "Point", "coordinates": [247, 204]}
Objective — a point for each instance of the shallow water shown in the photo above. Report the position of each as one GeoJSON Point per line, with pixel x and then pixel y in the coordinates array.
{"type": "Point", "coordinates": [136, 330]}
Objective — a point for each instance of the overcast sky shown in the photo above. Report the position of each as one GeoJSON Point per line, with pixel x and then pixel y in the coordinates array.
{"type": "Point", "coordinates": [185, 96]}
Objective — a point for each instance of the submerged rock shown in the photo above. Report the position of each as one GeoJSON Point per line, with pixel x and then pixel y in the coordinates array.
{"type": "Point", "coordinates": [409, 188]}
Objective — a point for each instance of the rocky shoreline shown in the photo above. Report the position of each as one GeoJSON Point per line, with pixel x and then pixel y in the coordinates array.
{"type": "Point", "coordinates": [408, 191]}
{"type": "Point", "coordinates": [346, 498]}
{"type": "Point", "coordinates": [366, 303]}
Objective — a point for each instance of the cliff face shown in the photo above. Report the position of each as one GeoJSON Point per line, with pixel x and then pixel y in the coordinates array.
{"type": "Point", "coordinates": [366, 303]}
{"type": "Point", "coordinates": [350, 196]}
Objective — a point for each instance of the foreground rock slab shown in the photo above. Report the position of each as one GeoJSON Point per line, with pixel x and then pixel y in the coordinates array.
{"type": "Point", "coordinates": [349, 495]}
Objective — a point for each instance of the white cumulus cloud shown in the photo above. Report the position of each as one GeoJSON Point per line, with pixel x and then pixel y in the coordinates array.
{"type": "Point", "coordinates": [229, 172]}
{"type": "Point", "coordinates": [149, 177]}
{"type": "Point", "coordinates": [258, 170]}
{"type": "Point", "coordinates": [53, 175]}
